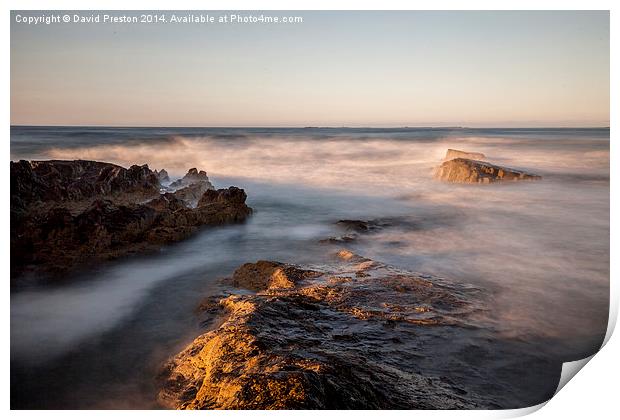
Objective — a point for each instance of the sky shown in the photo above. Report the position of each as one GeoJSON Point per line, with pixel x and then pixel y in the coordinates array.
{"type": "Point", "coordinates": [415, 68]}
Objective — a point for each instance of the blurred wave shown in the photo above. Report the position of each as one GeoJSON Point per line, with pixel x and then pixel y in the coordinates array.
{"type": "Point", "coordinates": [541, 248]}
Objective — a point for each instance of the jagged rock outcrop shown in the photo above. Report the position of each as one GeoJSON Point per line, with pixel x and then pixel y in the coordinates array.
{"type": "Point", "coordinates": [162, 176]}
{"type": "Point", "coordinates": [66, 214]}
{"type": "Point", "coordinates": [192, 186]}
{"type": "Point", "coordinates": [315, 338]}
{"type": "Point", "coordinates": [191, 194]}
{"type": "Point", "coordinates": [193, 176]}
{"type": "Point", "coordinates": [469, 171]}
{"type": "Point", "coordinates": [453, 154]}
{"type": "Point", "coordinates": [229, 195]}
{"type": "Point", "coordinates": [63, 180]}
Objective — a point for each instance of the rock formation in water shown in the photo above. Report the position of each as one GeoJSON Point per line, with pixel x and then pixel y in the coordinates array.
{"type": "Point", "coordinates": [453, 154]}
{"type": "Point", "coordinates": [267, 275]}
{"type": "Point", "coordinates": [469, 171]}
{"type": "Point", "coordinates": [73, 181]}
{"type": "Point", "coordinates": [192, 186]}
{"type": "Point", "coordinates": [342, 335]}
{"type": "Point", "coordinates": [192, 176]}
{"type": "Point", "coordinates": [352, 229]}
{"type": "Point", "coordinates": [70, 213]}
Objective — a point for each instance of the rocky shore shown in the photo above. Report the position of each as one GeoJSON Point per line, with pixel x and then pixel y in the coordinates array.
{"type": "Point", "coordinates": [66, 214]}
{"type": "Point", "coordinates": [291, 337]}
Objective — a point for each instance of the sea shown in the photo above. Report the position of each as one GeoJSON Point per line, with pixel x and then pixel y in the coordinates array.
{"type": "Point", "coordinates": [538, 250]}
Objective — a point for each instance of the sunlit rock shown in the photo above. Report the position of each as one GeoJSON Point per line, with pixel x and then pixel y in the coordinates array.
{"type": "Point", "coordinates": [467, 171]}
{"type": "Point", "coordinates": [335, 336]}
{"type": "Point", "coordinates": [264, 275]}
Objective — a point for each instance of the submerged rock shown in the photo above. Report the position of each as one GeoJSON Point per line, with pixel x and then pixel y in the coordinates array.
{"type": "Point", "coordinates": [315, 338]}
{"type": "Point", "coordinates": [359, 226]}
{"type": "Point", "coordinates": [469, 171]}
{"type": "Point", "coordinates": [353, 228]}
{"type": "Point", "coordinates": [66, 214]}
{"type": "Point", "coordinates": [453, 154]}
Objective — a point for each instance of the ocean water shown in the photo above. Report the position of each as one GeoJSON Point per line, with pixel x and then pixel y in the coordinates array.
{"type": "Point", "coordinates": [540, 250]}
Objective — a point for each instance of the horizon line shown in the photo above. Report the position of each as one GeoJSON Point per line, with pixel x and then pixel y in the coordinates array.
{"type": "Point", "coordinates": [315, 127]}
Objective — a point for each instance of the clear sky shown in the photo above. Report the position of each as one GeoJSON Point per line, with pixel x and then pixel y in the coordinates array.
{"type": "Point", "coordinates": [334, 69]}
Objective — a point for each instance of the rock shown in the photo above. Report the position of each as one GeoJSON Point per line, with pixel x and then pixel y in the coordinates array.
{"type": "Point", "coordinates": [357, 225]}
{"type": "Point", "coordinates": [68, 214]}
{"type": "Point", "coordinates": [346, 255]}
{"type": "Point", "coordinates": [191, 187]}
{"type": "Point", "coordinates": [265, 275]}
{"type": "Point", "coordinates": [230, 195]}
{"type": "Point", "coordinates": [355, 228]}
{"type": "Point", "coordinates": [192, 193]}
{"type": "Point", "coordinates": [192, 177]}
{"type": "Point", "coordinates": [64, 180]}
{"type": "Point", "coordinates": [167, 202]}
{"type": "Point", "coordinates": [321, 341]}
{"type": "Point", "coordinates": [469, 171]}
{"type": "Point", "coordinates": [162, 176]}
{"type": "Point", "coordinates": [453, 154]}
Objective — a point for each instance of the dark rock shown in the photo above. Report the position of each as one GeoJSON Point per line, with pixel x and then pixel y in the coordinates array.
{"type": "Point", "coordinates": [162, 176]}
{"type": "Point", "coordinates": [361, 226]}
{"type": "Point", "coordinates": [354, 225]}
{"type": "Point", "coordinates": [193, 176]}
{"type": "Point", "coordinates": [63, 180]}
{"type": "Point", "coordinates": [192, 186]}
{"type": "Point", "coordinates": [232, 195]}
{"type": "Point", "coordinates": [66, 214]}
{"type": "Point", "coordinates": [167, 202]}
{"type": "Point", "coordinates": [192, 193]}
{"type": "Point", "coordinates": [354, 228]}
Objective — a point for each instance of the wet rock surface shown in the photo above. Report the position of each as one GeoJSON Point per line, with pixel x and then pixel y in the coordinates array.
{"type": "Point", "coordinates": [267, 275]}
{"type": "Point", "coordinates": [34, 182]}
{"type": "Point", "coordinates": [193, 176]}
{"type": "Point", "coordinates": [191, 187]}
{"type": "Point", "coordinates": [315, 338]}
{"type": "Point", "coordinates": [66, 214]}
{"type": "Point", "coordinates": [467, 171]}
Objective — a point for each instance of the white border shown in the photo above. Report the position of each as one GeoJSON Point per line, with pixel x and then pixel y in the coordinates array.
{"type": "Point", "coordinates": [311, 5]}
{"type": "Point", "coordinates": [593, 394]}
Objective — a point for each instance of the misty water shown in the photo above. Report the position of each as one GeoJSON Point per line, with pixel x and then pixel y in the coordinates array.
{"type": "Point", "coordinates": [540, 250]}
